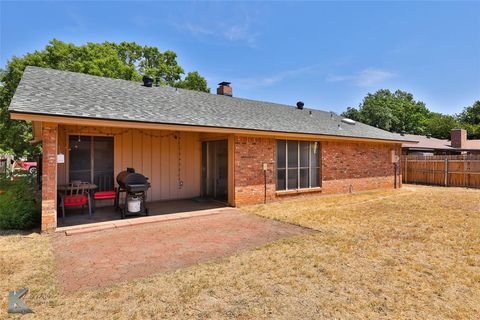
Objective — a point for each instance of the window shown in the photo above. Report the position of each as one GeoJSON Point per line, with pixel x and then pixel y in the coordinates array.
{"type": "Point", "coordinates": [298, 164]}
{"type": "Point", "coordinates": [91, 160]}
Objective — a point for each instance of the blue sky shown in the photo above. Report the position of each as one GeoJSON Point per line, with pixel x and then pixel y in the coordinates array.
{"type": "Point", "coordinates": [327, 54]}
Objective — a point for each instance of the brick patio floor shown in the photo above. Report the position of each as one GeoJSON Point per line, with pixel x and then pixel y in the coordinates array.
{"type": "Point", "coordinates": [101, 258]}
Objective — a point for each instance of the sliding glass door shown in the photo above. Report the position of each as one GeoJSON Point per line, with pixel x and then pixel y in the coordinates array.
{"type": "Point", "coordinates": [91, 160]}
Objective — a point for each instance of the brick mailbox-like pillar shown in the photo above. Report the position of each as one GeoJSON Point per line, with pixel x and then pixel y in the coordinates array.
{"type": "Point", "coordinates": [49, 177]}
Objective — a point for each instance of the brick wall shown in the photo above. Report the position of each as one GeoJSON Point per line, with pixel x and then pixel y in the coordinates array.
{"type": "Point", "coordinates": [458, 138]}
{"type": "Point", "coordinates": [346, 167]}
{"type": "Point", "coordinates": [49, 177]}
{"type": "Point", "coordinates": [250, 153]}
{"type": "Point", "coordinates": [349, 167]}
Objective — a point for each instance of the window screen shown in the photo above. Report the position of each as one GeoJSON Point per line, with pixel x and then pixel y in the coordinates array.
{"type": "Point", "coordinates": [298, 164]}
{"type": "Point", "coordinates": [91, 160]}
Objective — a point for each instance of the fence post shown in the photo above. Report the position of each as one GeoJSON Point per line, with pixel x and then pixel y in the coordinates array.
{"type": "Point", "coordinates": [406, 169]}
{"type": "Point", "coordinates": [446, 172]}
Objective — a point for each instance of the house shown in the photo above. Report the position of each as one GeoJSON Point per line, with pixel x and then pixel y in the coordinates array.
{"type": "Point", "coordinates": [427, 145]}
{"type": "Point", "coordinates": [193, 144]}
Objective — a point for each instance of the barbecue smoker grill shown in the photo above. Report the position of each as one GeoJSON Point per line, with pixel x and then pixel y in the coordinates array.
{"type": "Point", "coordinates": [135, 186]}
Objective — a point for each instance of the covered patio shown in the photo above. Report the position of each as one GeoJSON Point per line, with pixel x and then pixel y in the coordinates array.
{"type": "Point", "coordinates": [187, 171]}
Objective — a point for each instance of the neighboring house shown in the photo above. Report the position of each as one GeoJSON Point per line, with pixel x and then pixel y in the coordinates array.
{"type": "Point", "coordinates": [427, 145]}
{"type": "Point", "coordinates": [193, 144]}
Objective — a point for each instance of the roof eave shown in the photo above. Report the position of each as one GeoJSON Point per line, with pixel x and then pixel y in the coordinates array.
{"type": "Point", "coordinates": [63, 119]}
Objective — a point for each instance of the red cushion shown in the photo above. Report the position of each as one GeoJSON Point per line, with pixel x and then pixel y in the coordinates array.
{"type": "Point", "coordinates": [75, 201]}
{"type": "Point", "coordinates": [104, 195]}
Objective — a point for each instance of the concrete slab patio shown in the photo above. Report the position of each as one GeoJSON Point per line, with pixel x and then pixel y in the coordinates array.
{"type": "Point", "coordinates": [101, 258]}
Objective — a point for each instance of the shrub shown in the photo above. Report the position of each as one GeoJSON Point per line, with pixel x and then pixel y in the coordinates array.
{"type": "Point", "coordinates": [18, 208]}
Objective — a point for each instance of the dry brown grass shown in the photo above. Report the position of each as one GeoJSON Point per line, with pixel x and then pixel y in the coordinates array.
{"type": "Point", "coordinates": [410, 253]}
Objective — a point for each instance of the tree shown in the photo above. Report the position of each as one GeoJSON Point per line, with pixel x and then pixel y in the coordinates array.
{"type": "Point", "coordinates": [469, 119]}
{"type": "Point", "coordinates": [470, 114]}
{"type": "Point", "coordinates": [352, 113]}
{"type": "Point", "coordinates": [125, 60]}
{"type": "Point", "coordinates": [194, 81]}
{"type": "Point", "coordinates": [440, 125]}
{"type": "Point", "coordinates": [393, 112]}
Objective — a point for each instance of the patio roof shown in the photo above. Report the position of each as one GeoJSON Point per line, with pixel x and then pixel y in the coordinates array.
{"type": "Point", "coordinates": [68, 94]}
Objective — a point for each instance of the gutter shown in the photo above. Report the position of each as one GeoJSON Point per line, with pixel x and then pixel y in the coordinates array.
{"type": "Point", "coordinates": [75, 120]}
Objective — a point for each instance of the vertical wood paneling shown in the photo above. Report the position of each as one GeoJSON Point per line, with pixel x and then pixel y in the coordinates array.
{"type": "Point", "coordinates": [117, 150]}
{"type": "Point", "coordinates": [156, 165]}
{"type": "Point", "coordinates": [182, 192]}
{"type": "Point", "coordinates": [127, 150]}
{"type": "Point", "coordinates": [188, 175]}
{"type": "Point", "coordinates": [197, 162]}
{"type": "Point", "coordinates": [147, 157]}
{"type": "Point", "coordinates": [173, 160]}
{"type": "Point", "coordinates": [137, 138]}
{"type": "Point", "coordinates": [153, 153]}
{"type": "Point", "coordinates": [166, 168]}
{"type": "Point", "coordinates": [444, 170]}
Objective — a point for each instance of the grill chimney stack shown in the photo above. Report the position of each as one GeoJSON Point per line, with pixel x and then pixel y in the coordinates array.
{"type": "Point", "coordinates": [224, 89]}
{"type": "Point", "coordinates": [147, 81]}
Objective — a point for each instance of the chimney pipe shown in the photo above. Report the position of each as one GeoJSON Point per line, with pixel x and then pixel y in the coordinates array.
{"type": "Point", "coordinates": [147, 81]}
{"type": "Point", "coordinates": [300, 105]}
{"type": "Point", "coordinates": [458, 138]}
{"type": "Point", "coordinates": [224, 89]}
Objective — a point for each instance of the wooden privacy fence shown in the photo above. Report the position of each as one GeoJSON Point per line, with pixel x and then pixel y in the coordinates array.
{"type": "Point", "coordinates": [442, 170]}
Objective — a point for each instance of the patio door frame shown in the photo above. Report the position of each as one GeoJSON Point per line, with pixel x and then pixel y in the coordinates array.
{"type": "Point", "coordinates": [87, 134]}
{"type": "Point", "coordinates": [206, 172]}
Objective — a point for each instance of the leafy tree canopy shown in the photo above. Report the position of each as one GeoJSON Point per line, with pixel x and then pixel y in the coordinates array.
{"type": "Point", "coordinates": [392, 111]}
{"type": "Point", "coordinates": [439, 125]}
{"type": "Point", "coordinates": [399, 111]}
{"type": "Point", "coordinates": [125, 60]}
{"type": "Point", "coordinates": [470, 120]}
{"type": "Point", "coordinates": [471, 114]}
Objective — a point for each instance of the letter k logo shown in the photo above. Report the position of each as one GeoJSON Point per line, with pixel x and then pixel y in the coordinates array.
{"type": "Point", "coordinates": [15, 305]}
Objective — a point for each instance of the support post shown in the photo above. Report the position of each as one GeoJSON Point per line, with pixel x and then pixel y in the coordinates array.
{"type": "Point", "coordinates": [49, 177]}
{"type": "Point", "coordinates": [406, 169]}
{"type": "Point", "coordinates": [446, 172]}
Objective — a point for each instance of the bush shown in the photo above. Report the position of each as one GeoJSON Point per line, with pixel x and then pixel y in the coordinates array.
{"type": "Point", "coordinates": [18, 208]}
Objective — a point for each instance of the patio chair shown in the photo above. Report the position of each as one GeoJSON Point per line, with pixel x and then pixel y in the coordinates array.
{"type": "Point", "coordinates": [105, 185]}
{"type": "Point", "coordinates": [76, 195]}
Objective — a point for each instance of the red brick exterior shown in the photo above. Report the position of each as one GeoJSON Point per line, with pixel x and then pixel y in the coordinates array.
{"type": "Point", "coordinates": [345, 167]}
{"type": "Point", "coordinates": [250, 154]}
{"type": "Point", "coordinates": [458, 138]}
{"type": "Point", "coordinates": [49, 177]}
{"type": "Point", "coordinates": [349, 167]}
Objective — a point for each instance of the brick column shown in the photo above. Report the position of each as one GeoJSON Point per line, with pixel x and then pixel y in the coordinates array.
{"type": "Point", "coordinates": [49, 177]}
{"type": "Point", "coordinates": [250, 154]}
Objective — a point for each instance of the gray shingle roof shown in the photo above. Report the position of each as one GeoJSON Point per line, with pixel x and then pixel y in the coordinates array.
{"type": "Point", "coordinates": [62, 93]}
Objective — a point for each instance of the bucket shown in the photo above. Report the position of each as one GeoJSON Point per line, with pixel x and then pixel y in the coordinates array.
{"type": "Point", "coordinates": [134, 204]}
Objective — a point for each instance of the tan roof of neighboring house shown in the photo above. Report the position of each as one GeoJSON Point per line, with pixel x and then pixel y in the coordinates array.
{"type": "Point", "coordinates": [433, 143]}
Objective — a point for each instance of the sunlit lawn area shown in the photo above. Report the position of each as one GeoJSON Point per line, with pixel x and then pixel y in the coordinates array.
{"type": "Point", "coordinates": [409, 253]}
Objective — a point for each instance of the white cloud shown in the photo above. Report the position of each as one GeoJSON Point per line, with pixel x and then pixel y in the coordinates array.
{"type": "Point", "coordinates": [238, 29]}
{"type": "Point", "coordinates": [265, 81]}
{"type": "Point", "coordinates": [365, 78]}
